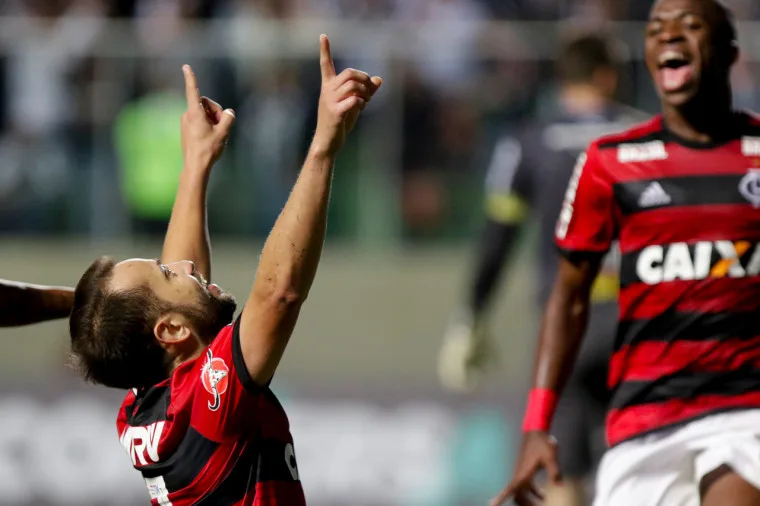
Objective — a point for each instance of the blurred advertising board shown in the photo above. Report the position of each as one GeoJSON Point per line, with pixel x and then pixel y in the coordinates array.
{"type": "Point", "coordinates": [58, 446]}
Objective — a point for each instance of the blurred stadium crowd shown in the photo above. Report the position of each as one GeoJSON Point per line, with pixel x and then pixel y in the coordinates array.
{"type": "Point", "coordinates": [90, 93]}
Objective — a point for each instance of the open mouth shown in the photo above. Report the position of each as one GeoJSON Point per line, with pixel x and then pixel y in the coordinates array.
{"type": "Point", "coordinates": [675, 70]}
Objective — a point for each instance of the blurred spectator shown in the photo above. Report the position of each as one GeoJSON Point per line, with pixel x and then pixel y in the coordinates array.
{"type": "Point", "coordinates": [422, 196]}
{"type": "Point", "coordinates": [441, 70]}
{"type": "Point", "coordinates": [170, 28]}
{"type": "Point", "coordinates": [743, 76]}
{"type": "Point", "coordinates": [271, 123]}
{"type": "Point", "coordinates": [744, 9]}
{"type": "Point", "coordinates": [445, 50]}
{"type": "Point", "coordinates": [260, 9]}
{"type": "Point", "coordinates": [149, 152]}
{"type": "Point", "coordinates": [451, 76]}
{"type": "Point", "coordinates": [146, 132]}
{"type": "Point", "coordinates": [50, 39]}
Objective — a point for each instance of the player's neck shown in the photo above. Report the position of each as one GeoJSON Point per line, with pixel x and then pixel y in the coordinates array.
{"type": "Point", "coordinates": [186, 354]}
{"type": "Point", "coordinates": [703, 120]}
{"type": "Point", "coordinates": [582, 99]}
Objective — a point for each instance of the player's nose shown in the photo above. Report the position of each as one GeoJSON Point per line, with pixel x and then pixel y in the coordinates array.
{"type": "Point", "coordinates": [672, 33]}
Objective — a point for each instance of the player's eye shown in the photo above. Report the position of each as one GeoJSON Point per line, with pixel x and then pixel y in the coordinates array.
{"type": "Point", "coordinates": [653, 29]}
{"type": "Point", "coordinates": [693, 23]}
{"type": "Point", "coordinates": [167, 273]}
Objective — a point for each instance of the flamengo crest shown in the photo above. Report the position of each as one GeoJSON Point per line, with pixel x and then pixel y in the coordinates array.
{"type": "Point", "coordinates": [215, 379]}
{"type": "Point", "coordinates": [749, 187]}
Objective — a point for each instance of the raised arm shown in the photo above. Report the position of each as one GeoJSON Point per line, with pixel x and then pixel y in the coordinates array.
{"type": "Point", "coordinates": [291, 253]}
{"type": "Point", "coordinates": [23, 304]}
{"type": "Point", "coordinates": [205, 127]}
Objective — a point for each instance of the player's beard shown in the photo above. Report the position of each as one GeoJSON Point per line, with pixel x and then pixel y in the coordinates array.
{"type": "Point", "coordinates": [213, 314]}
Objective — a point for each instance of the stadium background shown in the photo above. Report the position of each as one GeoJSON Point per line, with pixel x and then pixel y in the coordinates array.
{"type": "Point", "coordinates": [90, 96]}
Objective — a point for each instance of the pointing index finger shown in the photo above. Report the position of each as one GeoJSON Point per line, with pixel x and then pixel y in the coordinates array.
{"type": "Point", "coordinates": [191, 88]}
{"type": "Point", "coordinates": [325, 58]}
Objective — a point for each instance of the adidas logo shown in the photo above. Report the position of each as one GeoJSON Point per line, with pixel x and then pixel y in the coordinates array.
{"type": "Point", "coordinates": [654, 195]}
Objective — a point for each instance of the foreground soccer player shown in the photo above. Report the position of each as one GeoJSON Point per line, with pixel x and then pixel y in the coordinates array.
{"type": "Point", "coordinates": [201, 424]}
{"type": "Point", "coordinates": [682, 194]}
{"type": "Point", "coordinates": [528, 176]}
{"type": "Point", "coordinates": [24, 304]}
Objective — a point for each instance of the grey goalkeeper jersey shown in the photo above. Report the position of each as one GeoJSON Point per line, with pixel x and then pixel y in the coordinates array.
{"type": "Point", "coordinates": [528, 175]}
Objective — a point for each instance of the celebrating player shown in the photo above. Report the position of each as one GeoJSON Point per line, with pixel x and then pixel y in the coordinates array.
{"type": "Point", "coordinates": [529, 172]}
{"type": "Point", "coordinates": [200, 423]}
{"type": "Point", "coordinates": [682, 194]}
{"type": "Point", "coordinates": [24, 304]}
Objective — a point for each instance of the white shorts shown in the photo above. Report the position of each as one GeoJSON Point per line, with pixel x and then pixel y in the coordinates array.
{"type": "Point", "coordinates": [665, 468]}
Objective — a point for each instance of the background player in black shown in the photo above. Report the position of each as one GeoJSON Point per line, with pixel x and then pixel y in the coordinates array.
{"type": "Point", "coordinates": [696, 105]}
{"type": "Point", "coordinates": [24, 304]}
{"type": "Point", "coordinates": [528, 178]}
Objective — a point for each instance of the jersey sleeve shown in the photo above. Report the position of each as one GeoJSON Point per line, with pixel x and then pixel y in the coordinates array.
{"type": "Point", "coordinates": [226, 397]}
{"type": "Point", "coordinates": [509, 185]}
{"type": "Point", "coordinates": [586, 223]}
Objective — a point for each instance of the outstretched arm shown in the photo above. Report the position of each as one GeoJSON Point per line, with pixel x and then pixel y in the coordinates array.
{"type": "Point", "coordinates": [23, 304]}
{"type": "Point", "coordinates": [496, 246]}
{"type": "Point", "coordinates": [291, 253]}
{"type": "Point", "coordinates": [509, 198]}
{"type": "Point", "coordinates": [204, 131]}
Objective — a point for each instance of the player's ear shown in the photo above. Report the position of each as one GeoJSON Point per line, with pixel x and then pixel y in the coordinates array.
{"type": "Point", "coordinates": [606, 79]}
{"type": "Point", "coordinates": [172, 328]}
{"type": "Point", "coordinates": [734, 53]}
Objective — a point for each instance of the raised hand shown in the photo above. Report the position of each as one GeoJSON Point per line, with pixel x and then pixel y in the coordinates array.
{"type": "Point", "coordinates": [205, 126]}
{"type": "Point", "coordinates": [342, 98]}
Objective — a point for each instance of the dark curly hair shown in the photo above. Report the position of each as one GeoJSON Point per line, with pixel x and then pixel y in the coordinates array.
{"type": "Point", "coordinates": [583, 55]}
{"type": "Point", "coordinates": [111, 332]}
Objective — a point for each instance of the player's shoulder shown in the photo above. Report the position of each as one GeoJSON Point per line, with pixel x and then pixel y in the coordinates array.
{"type": "Point", "coordinates": [217, 358]}
{"type": "Point", "coordinates": [222, 351]}
{"type": "Point", "coordinates": [126, 404]}
{"type": "Point", "coordinates": [638, 133]}
{"type": "Point", "coordinates": [752, 118]}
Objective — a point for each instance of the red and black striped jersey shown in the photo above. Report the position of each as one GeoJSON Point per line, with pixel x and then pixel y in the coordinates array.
{"type": "Point", "coordinates": [687, 218]}
{"type": "Point", "coordinates": [210, 436]}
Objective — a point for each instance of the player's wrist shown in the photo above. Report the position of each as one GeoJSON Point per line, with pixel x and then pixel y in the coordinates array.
{"type": "Point", "coordinates": [322, 150]}
{"type": "Point", "coordinates": [196, 172]}
{"type": "Point", "coordinates": [200, 163]}
{"type": "Point", "coordinates": [199, 158]}
{"type": "Point", "coordinates": [542, 402]}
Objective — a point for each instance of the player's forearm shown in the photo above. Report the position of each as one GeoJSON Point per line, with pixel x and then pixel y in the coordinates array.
{"type": "Point", "coordinates": [496, 245]}
{"type": "Point", "coordinates": [24, 304]}
{"type": "Point", "coordinates": [187, 237]}
{"type": "Point", "coordinates": [562, 330]}
{"type": "Point", "coordinates": [291, 253]}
